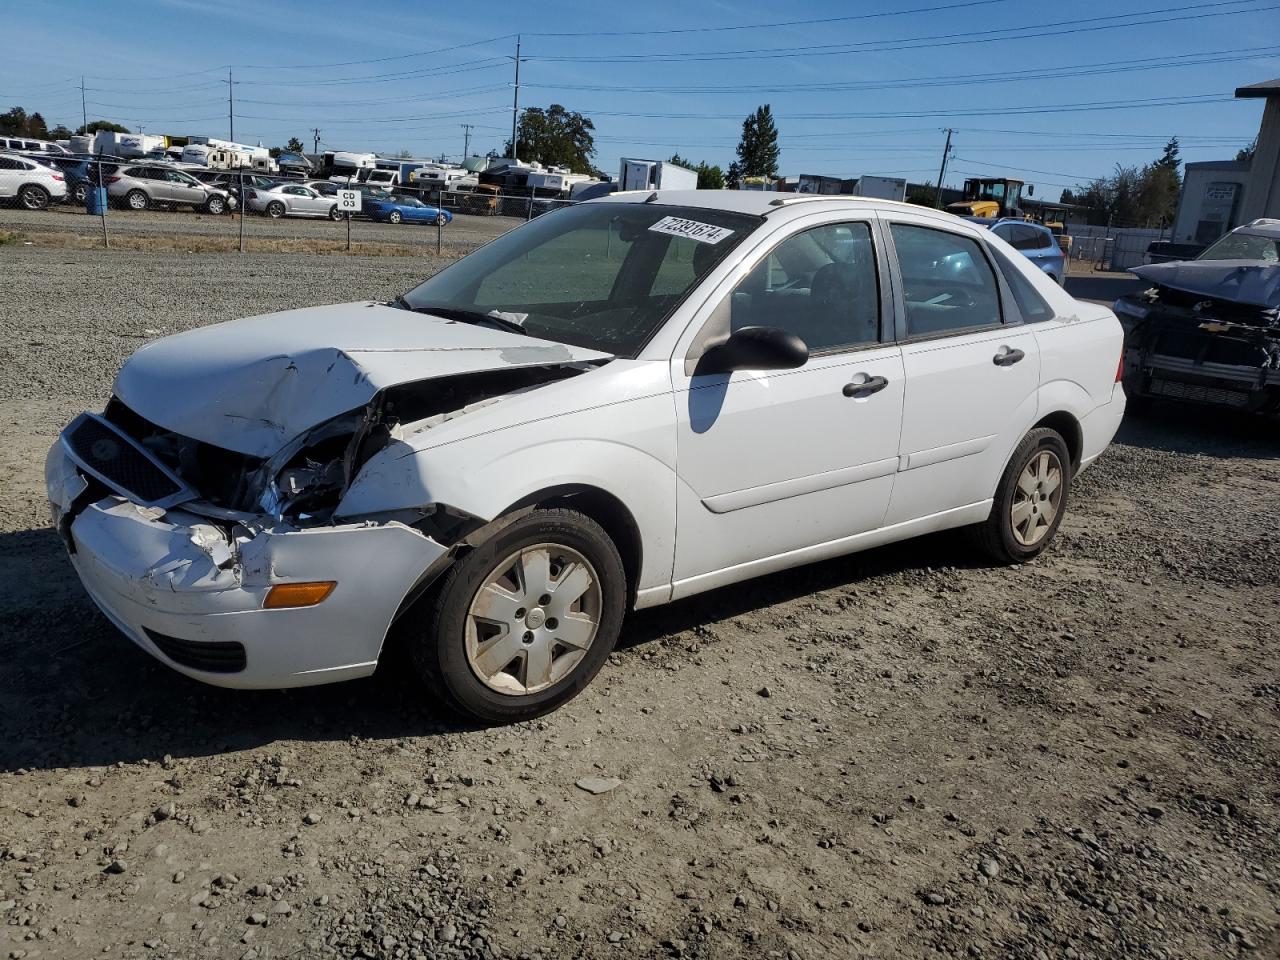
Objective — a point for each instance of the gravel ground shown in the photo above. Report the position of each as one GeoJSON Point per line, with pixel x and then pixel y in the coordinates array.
{"type": "Point", "coordinates": [464, 230]}
{"type": "Point", "coordinates": [900, 754]}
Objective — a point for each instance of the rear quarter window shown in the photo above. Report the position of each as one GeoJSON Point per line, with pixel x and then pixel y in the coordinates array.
{"type": "Point", "coordinates": [1033, 307]}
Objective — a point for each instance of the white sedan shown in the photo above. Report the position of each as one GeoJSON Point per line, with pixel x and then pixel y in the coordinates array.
{"type": "Point", "coordinates": [291, 200]}
{"type": "Point", "coordinates": [616, 405]}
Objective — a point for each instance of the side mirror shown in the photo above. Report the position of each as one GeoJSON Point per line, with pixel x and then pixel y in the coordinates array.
{"type": "Point", "coordinates": [754, 348]}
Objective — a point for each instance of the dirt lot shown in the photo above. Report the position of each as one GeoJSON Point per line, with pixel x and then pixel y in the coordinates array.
{"type": "Point", "coordinates": [900, 754]}
{"type": "Point", "coordinates": [183, 230]}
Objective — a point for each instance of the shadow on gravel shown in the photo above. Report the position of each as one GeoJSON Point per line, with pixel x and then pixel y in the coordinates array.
{"type": "Point", "coordinates": [74, 692]}
{"type": "Point", "coordinates": [1207, 431]}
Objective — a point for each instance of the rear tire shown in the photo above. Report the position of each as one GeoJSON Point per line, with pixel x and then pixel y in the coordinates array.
{"type": "Point", "coordinates": [334, 213]}
{"type": "Point", "coordinates": [33, 197]}
{"type": "Point", "coordinates": [1030, 500]}
{"type": "Point", "coordinates": [80, 192]}
{"type": "Point", "coordinates": [504, 666]}
{"type": "Point", "coordinates": [137, 200]}
{"type": "Point", "coordinates": [275, 209]}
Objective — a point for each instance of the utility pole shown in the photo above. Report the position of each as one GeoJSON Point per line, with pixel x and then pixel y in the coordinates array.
{"type": "Point", "coordinates": [231, 106]}
{"type": "Point", "coordinates": [84, 110]}
{"type": "Point", "coordinates": [942, 172]}
{"type": "Point", "coordinates": [316, 133]}
{"type": "Point", "coordinates": [466, 140]}
{"type": "Point", "coordinates": [515, 106]}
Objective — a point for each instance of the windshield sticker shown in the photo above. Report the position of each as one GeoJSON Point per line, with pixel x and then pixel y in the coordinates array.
{"type": "Point", "coordinates": [691, 229]}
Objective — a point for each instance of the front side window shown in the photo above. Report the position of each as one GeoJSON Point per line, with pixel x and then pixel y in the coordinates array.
{"type": "Point", "coordinates": [947, 281]}
{"type": "Point", "coordinates": [819, 285]}
{"type": "Point", "coordinates": [595, 275]}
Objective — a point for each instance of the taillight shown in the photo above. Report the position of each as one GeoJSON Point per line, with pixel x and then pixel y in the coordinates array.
{"type": "Point", "coordinates": [1120, 367]}
{"type": "Point", "coordinates": [111, 180]}
{"type": "Point", "coordinates": [57, 176]}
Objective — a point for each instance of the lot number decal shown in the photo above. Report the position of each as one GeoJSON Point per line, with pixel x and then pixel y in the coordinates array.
{"type": "Point", "coordinates": [691, 229]}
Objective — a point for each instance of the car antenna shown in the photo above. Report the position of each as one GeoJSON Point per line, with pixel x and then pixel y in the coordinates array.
{"type": "Point", "coordinates": [651, 197]}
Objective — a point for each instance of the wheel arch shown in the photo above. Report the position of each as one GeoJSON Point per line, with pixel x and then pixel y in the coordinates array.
{"type": "Point", "coordinates": [1068, 427]}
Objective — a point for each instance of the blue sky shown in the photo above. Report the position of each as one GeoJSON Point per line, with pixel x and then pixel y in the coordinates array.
{"type": "Point", "coordinates": [1047, 91]}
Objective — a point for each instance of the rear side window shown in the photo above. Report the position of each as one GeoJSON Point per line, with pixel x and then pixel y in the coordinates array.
{"type": "Point", "coordinates": [7, 163]}
{"type": "Point", "coordinates": [1033, 307]}
{"type": "Point", "coordinates": [947, 282]}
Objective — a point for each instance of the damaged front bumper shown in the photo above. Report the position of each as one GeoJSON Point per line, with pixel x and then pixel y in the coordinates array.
{"type": "Point", "coordinates": [1177, 355]}
{"type": "Point", "coordinates": [190, 589]}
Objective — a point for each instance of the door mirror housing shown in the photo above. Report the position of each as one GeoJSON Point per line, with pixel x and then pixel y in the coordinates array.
{"type": "Point", "coordinates": [754, 348]}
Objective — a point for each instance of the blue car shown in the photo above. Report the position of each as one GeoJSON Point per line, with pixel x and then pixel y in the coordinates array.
{"type": "Point", "coordinates": [1034, 241]}
{"type": "Point", "coordinates": [404, 210]}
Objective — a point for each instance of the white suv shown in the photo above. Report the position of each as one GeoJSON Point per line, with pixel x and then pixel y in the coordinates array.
{"type": "Point", "coordinates": [616, 405]}
{"type": "Point", "coordinates": [33, 184]}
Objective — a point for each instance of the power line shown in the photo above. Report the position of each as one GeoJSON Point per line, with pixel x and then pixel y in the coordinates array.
{"type": "Point", "coordinates": [770, 26]}
{"type": "Point", "coordinates": [926, 42]}
{"type": "Point", "coordinates": [963, 79]}
{"type": "Point", "coordinates": [351, 63]}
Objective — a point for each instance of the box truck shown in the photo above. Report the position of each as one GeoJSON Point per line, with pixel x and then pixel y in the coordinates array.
{"type": "Point", "coordinates": [655, 175]}
{"type": "Point", "coordinates": [882, 188]}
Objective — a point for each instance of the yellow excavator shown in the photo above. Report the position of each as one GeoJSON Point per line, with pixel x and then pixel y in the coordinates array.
{"type": "Point", "coordinates": [991, 198]}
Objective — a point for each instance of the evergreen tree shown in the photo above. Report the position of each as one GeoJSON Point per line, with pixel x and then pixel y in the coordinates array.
{"type": "Point", "coordinates": [1170, 158]}
{"type": "Point", "coordinates": [294, 145]}
{"type": "Point", "coordinates": [758, 149]}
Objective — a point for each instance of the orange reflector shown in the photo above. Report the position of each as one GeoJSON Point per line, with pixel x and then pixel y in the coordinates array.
{"type": "Point", "coordinates": [284, 595]}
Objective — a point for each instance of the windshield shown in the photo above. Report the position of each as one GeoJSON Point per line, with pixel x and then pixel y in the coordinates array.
{"type": "Point", "coordinates": [1244, 246]}
{"type": "Point", "coordinates": [599, 275]}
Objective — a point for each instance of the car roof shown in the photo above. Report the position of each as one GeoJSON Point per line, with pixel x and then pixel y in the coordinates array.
{"type": "Point", "coordinates": [764, 202]}
{"type": "Point", "coordinates": [1263, 227]}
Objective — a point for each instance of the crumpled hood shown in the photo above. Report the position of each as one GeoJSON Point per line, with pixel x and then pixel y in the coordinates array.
{"type": "Point", "coordinates": [1241, 281]}
{"type": "Point", "coordinates": [252, 385]}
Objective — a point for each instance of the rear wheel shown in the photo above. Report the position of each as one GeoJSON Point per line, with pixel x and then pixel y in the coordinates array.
{"type": "Point", "coordinates": [33, 197]}
{"type": "Point", "coordinates": [335, 213]}
{"type": "Point", "coordinates": [275, 209]}
{"type": "Point", "coordinates": [80, 192]}
{"type": "Point", "coordinates": [137, 200]}
{"type": "Point", "coordinates": [1030, 501]}
{"type": "Point", "coordinates": [523, 623]}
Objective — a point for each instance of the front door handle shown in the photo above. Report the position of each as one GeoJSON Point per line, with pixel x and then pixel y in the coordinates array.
{"type": "Point", "coordinates": [1006, 358]}
{"type": "Point", "coordinates": [864, 387]}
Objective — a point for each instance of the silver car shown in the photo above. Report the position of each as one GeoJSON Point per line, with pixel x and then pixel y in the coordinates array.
{"type": "Point", "coordinates": [291, 200]}
{"type": "Point", "coordinates": [139, 186]}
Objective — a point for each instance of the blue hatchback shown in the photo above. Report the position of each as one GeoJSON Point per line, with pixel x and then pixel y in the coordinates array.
{"type": "Point", "coordinates": [1035, 242]}
{"type": "Point", "coordinates": [404, 210]}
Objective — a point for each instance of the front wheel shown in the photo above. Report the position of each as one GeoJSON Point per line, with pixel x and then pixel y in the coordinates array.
{"type": "Point", "coordinates": [441, 219]}
{"type": "Point", "coordinates": [523, 623]}
{"type": "Point", "coordinates": [394, 217]}
{"type": "Point", "coordinates": [80, 192]}
{"type": "Point", "coordinates": [1030, 500]}
{"type": "Point", "coordinates": [216, 205]}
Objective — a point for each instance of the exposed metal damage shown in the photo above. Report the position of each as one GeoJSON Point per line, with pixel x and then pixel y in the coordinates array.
{"type": "Point", "coordinates": [1205, 331]}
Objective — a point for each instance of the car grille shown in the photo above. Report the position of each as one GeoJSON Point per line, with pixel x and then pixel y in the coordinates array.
{"type": "Point", "coordinates": [1198, 393]}
{"type": "Point", "coordinates": [119, 462]}
{"type": "Point", "coordinates": [218, 656]}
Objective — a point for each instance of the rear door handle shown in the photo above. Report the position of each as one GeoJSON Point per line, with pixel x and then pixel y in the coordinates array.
{"type": "Point", "coordinates": [864, 387]}
{"type": "Point", "coordinates": [1006, 358]}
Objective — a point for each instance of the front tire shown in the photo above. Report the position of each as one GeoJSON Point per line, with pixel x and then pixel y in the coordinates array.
{"type": "Point", "coordinates": [216, 206]}
{"type": "Point", "coordinates": [394, 217]}
{"type": "Point", "coordinates": [33, 197]}
{"type": "Point", "coordinates": [441, 219]}
{"type": "Point", "coordinates": [1030, 500]}
{"type": "Point", "coordinates": [522, 623]}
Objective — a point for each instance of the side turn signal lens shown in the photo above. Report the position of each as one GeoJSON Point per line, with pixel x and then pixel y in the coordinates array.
{"type": "Point", "coordinates": [285, 595]}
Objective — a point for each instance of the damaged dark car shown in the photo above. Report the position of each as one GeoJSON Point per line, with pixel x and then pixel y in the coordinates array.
{"type": "Point", "coordinates": [1208, 330]}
